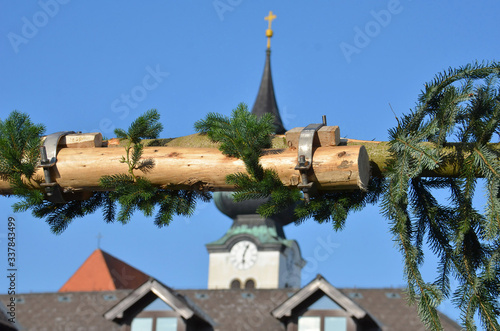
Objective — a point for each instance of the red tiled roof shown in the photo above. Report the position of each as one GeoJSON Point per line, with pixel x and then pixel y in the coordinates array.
{"type": "Point", "coordinates": [104, 272]}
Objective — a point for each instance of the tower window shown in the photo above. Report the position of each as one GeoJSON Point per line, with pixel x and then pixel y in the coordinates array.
{"type": "Point", "coordinates": [235, 284]}
{"type": "Point", "coordinates": [250, 284]}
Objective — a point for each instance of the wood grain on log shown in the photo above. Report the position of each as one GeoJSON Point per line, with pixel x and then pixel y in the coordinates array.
{"type": "Point", "coordinates": [334, 168]}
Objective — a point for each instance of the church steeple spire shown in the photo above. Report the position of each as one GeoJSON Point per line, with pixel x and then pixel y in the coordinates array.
{"type": "Point", "coordinates": [266, 100]}
{"type": "Point", "coordinates": [254, 252]}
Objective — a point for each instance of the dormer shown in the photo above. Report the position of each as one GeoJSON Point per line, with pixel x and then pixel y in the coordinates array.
{"type": "Point", "coordinates": [156, 307]}
{"type": "Point", "coordinates": [319, 306]}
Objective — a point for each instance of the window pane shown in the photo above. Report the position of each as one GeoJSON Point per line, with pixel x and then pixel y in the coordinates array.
{"type": "Point", "coordinates": [166, 324]}
{"type": "Point", "coordinates": [310, 323]}
{"type": "Point", "coordinates": [142, 324]}
{"type": "Point", "coordinates": [335, 324]}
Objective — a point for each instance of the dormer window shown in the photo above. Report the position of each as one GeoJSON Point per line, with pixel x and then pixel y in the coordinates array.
{"type": "Point", "coordinates": [157, 316]}
{"type": "Point", "coordinates": [323, 315]}
{"type": "Point", "coordinates": [156, 307]}
{"type": "Point", "coordinates": [321, 307]}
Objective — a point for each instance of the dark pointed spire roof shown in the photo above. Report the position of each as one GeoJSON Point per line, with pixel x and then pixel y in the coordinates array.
{"type": "Point", "coordinates": [266, 100]}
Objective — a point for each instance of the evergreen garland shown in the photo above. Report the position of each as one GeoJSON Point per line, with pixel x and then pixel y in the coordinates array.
{"type": "Point", "coordinates": [246, 137]}
{"type": "Point", "coordinates": [133, 192]}
{"type": "Point", "coordinates": [465, 104]}
{"type": "Point", "coordinates": [19, 155]}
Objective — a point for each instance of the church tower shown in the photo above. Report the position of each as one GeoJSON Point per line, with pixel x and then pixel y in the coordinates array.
{"type": "Point", "coordinates": [254, 252]}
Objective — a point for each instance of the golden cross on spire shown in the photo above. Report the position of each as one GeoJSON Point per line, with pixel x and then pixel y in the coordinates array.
{"type": "Point", "coordinates": [269, 32]}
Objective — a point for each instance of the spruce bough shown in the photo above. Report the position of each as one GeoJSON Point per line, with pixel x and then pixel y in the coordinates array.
{"type": "Point", "coordinates": [20, 152]}
{"type": "Point", "coordinates": [246, 137]}
{"type": "Point", "coordinates": [460, 106]}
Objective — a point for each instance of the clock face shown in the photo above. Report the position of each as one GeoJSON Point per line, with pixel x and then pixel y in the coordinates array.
{"type": "Point", "coordinates": [243, 254]}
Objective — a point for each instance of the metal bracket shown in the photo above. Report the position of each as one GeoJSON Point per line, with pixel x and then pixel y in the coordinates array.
{"type": "Point", "coordinates": [48, 159]}
{"type": "Point", "coordinates": [305, 156]}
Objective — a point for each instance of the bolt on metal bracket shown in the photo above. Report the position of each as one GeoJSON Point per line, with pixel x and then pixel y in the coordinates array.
{"type": "Point", "coordinates": [48, 159]}
{"type": "Point", "coordinates": [305, 156]}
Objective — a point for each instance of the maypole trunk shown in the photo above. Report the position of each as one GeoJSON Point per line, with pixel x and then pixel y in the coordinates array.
{"type": "Point", "coordinates": [340, 167]}
{"type": "Point", "coordinates": [83, 158]}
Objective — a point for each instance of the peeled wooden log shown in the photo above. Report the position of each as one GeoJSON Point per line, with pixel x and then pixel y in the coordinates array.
{"type": "Point", "coordinates": [80, 140]}
{"type": "Point", "coordinates": [379, 157]}
{"type": "Point", "coordinates": [333, 168]}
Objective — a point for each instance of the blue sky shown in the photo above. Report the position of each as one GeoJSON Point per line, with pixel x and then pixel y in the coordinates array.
{"type": "Point", "coordinates": [93, 66]}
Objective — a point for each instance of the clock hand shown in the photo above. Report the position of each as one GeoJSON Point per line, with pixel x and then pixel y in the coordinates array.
{"type": "Point", "coordinates": [244, 253]}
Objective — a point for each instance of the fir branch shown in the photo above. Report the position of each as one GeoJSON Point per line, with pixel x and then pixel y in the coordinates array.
{"type": "Point", "coordinates": [19, 151]}
{"type": "Point", "coordinates": [19, 154]}
{"type": "Point", "coordinates": [60, 215]}
{"type": "Point", "coordinates": [132, 192]}
{"type": "Point", "coordinates": [108, 208]}
{"type": "Point", "coordinates": [245, 136]}
{"type": "Point", "coordinates": [144, 127]}
{"type": "Point", "coordinates": [493, 211]}
{"type": "Point", "coordinates": [462, 238]}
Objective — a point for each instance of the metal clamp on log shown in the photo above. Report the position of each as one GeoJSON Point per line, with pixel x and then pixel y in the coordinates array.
{"type": "Point", "coordinates": [305, 156]}
{"type": "Point", "coordinates": [48, 159]}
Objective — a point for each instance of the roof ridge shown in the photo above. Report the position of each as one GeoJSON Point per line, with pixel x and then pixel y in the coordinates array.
{"type": "Point", "coordinates": [102, 271]}
{"type": "Point", "coordinates": [104, 256]}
